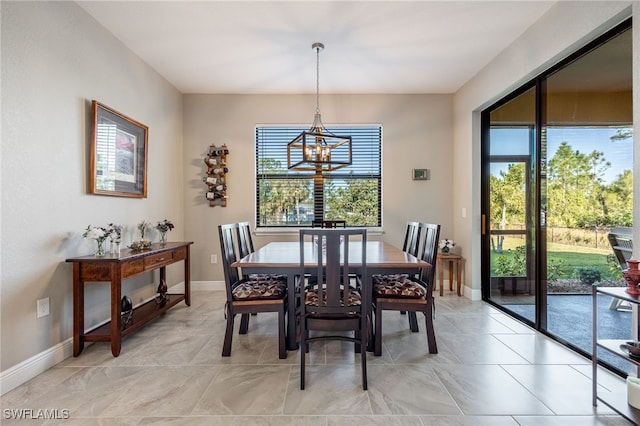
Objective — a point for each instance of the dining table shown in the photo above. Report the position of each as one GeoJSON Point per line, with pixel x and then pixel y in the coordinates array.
{"type": "Point", "coordinates": [284, 258]}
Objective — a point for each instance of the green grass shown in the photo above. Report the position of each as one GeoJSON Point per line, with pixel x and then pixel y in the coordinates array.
{"type": "Point", "coordinates": [571, 257]}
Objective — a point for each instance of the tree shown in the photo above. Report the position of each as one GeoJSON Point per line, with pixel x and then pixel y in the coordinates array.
{"type": "Point", "coordinates": [508, 200]}
{"type": "Point", "coordinates": [356, 202]}
{"type": "Point", "coordinates": [575, 188]}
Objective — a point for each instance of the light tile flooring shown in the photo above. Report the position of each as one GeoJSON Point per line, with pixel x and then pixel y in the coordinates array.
{"type": "Point", "coordinates": [490, 370]}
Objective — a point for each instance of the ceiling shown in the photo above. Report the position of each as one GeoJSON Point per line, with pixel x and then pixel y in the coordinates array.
{"type": "Point", "coordinates": [264, 47]}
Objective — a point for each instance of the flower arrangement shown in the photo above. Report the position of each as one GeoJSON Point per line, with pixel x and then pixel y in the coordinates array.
{"type": "Point", "coordinates": [142, 228]}
{"type": "Point", "coordinates": [99, 234]}
{"type": "Point", "coordinates": [446, 245]}
{"type": "Point", "coordinates": [165, 225]}
{"type": "Point", "coordinates": [115, 232]}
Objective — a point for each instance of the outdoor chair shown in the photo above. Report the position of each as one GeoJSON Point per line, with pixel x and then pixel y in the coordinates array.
{"type": "Point", "coordinates": [330, 304]}
{"type": "Point", "coordinates": [248, 295]}
{"type": "Point", "coordinates": [621, 242]}
{"type": "Point", "coordinates": [409, 293]}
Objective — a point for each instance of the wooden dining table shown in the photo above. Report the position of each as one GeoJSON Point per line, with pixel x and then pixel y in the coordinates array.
{"type": "Point", "coordinates": [284, 258]}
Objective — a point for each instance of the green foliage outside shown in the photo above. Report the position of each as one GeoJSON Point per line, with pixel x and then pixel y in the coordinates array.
{"type": "Point", "coordinates": [290, 201]}
{"type": "Point", "coordinates": [576, 194]}
{"type": "Point", "coordinates": [580, 206]}
{"type": "Point", "coordinates": [562, 262]}
{"type": "Point", "coordinates": [587, 275]}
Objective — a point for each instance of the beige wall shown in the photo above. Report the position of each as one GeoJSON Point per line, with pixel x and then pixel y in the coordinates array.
{"type": "Point", "coordinates": [55, 60]}
{"type": "Point", "coordinates": [417, 134]}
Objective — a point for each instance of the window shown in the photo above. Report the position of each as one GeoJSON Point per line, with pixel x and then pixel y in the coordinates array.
{"type": "Point", "coordinates": [291, 198]}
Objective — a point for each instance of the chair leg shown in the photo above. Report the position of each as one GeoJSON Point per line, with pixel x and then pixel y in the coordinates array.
{"type": "Point", "coordinates": [228, 335]}
{"type": "Point", "coordinates": [413, 322]}
{"type": "Point", "coordinates": [282, 349]}
{"type": "Point", "coordinates": [377, 347]}
{"type": "Point", "coordinates": [244, 323]}
{"type": "Point", "coordinates": [363, 361]}
{"type": "Point", "coordinates": [303, 351]}
{"type": "Point", "coordinates": [431, 334]}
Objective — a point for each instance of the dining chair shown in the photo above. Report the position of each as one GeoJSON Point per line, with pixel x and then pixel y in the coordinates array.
{"type": "Point", "coordinates": [330, 304]}
{"type": "Point", "coordinates": [245, 247]}
{"type": "Point", "coordinates": [410, 293]}
{"type": "Point", "coordinates": [412, 238]}
{"type": "Point", "coordinates": [245, 240]}
{"type": "Point", "coordinates": [247, 296]}
{"type": "Point", "coordinates": [410, 245]}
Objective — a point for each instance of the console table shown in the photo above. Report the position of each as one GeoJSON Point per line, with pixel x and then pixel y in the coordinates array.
{"type": "Point", "coordinates": [115, 268]}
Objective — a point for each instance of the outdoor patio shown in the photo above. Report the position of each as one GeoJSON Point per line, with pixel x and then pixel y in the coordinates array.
{"type": "Point", "coordinates": [569, 317]}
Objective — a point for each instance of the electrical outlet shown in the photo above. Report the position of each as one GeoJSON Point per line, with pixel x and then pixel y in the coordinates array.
{"type": "Point", "coordinates": [214, 258]}
{"type": "Point", "coordinates": [42, 307]}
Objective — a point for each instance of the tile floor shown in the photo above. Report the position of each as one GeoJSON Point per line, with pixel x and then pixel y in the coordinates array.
{"type": "Point", "coordinates": [490, 370]}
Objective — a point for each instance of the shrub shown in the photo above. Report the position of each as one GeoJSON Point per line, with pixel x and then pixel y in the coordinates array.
{"type": "Point", "coordinates": [587, 275]}
{"type": "Point", "coordinates": [554, 269]}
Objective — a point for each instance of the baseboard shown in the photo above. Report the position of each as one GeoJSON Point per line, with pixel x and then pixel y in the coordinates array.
{"type": "Point", "coordinates": [474, 294]}
{"type": "Point", "coordinates": [30, 368]}
{"type": "Point", "coordinates": [39, 363]}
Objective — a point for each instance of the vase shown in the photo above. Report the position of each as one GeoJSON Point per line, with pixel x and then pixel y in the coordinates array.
{"type": "Point", "coordinates": [632, 276]}
{"type": "Point", "coordinates": [445, 250]}
{"type": "Point", "coordinates": [100, 248]}
{"type": "Point", "coordinates": [163, 237]}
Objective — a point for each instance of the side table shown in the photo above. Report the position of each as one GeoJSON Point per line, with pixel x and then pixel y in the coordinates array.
{"type": "Point", "coordinates": [454, 261]}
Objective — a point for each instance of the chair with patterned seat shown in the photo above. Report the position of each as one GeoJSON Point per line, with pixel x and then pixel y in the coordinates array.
{"type": "Point", "coordinates": [330, 304]}
{"type": "Point", "coordinates": [409, 293]}
{"type": "Point", "coordinates": [245, 247]}
{"type": "Point", "coordinates": [410, 245]}
{"type": "Point", "coordinates": [246, 295]}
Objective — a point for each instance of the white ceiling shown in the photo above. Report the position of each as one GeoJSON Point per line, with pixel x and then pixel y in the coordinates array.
{"type": "Point", "coordinates": [265, 46]}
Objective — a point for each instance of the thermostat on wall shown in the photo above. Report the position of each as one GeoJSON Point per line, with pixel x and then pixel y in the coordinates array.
{"type": "Point", "coordinates": [421, 174]}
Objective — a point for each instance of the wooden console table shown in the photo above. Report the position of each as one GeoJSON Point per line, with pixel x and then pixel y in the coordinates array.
{"type": "Point", "coordinates": [115, 268]}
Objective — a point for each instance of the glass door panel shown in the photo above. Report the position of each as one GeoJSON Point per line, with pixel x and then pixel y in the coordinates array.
{"type": "Point", "coordinates": [557, 177]}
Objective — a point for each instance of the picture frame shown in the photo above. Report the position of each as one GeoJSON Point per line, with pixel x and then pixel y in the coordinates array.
{"type": "Point", "coordinates": [118, 154]}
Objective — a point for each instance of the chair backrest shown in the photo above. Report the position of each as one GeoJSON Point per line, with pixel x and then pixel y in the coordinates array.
{"type": "Point", "coordinates": [228, 249]}
{"type": "Point", "coordinates": [412, 238]}
{"type": "Point", "coordinates": [334, 224]}
{"type": "Point", "coordinates": [431, 236]}
{"type": "Point", "coordinates": [330, 257]}
{"type": "Point", "coordinates": [621, 242]}
{"type": "Point", "coordinates": [329, 224]}
{"type": "Point", "coordinates": [245, 240]}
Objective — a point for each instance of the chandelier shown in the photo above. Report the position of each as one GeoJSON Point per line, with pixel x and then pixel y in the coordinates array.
{"type": "Point", "coordinates": [318, 149]}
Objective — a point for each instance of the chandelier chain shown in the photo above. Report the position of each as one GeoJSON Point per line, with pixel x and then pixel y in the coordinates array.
{"type": "Point", "coordinates": [317, 79]}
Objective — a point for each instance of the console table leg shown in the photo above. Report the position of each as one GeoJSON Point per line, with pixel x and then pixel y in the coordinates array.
{"type": "Point", "coordinates": [116, 310]}
{"type": "Point", "coordinates": [187, 277]}
{"type": "Point", "coordinates": [78, 311]}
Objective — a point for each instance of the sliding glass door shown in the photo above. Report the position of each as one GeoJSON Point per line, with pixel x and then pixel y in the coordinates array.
{"type": "Point", "coordinates": [557, 176]}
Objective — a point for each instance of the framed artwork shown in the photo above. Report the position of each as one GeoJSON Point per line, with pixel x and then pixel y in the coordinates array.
{"type": "Point", "coordinates": [118, 154]}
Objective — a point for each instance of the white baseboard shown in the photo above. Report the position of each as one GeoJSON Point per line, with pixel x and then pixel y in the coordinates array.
{"type": "Point", "coordinates": [39, 363]}
{"type": "Point", "coordinates": [474, 294]}
{"type": "Point", "coordinates": [30, 368]}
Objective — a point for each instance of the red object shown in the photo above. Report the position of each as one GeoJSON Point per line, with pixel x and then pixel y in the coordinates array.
{"type": "Point", "coordinates": [632, 276]}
